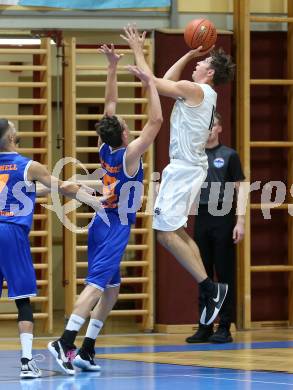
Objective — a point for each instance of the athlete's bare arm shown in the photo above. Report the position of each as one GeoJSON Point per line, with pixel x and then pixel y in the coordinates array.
{"type": "Point", "coordinates": [41, 190]}
{"type": "Point", "coordinates": [37, 172]}
{"type": "Point", "coordinates": [174, 73]}
{"type": "Point", "coordinates": [111, 93]}
{"type": "Point", "coordinates": [148, 134]}
{"type": "Point", "coordinates": [190, 92]}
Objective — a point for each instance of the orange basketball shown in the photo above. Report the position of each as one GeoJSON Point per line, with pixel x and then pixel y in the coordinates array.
{"type": "Point", "coordinates": [200, 32]}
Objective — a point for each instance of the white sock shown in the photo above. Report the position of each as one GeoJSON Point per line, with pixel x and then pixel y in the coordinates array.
{"type": "Point", "coordinates": [75, 322]}
{"type": "Point", "coordinates": [26, 340]}
{"type": "Point", "coordinates": [94, 328]}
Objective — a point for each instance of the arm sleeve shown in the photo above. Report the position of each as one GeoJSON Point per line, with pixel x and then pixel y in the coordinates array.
{"type": "Point", "coordinates": [235, 168]}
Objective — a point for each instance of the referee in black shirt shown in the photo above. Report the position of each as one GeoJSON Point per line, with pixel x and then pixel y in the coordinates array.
{"type": "Point", "coordinates": [217, 230]}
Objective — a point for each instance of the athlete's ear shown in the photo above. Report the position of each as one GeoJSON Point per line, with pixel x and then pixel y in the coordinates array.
{"type": "Point", "coordinates": [211, 72]}
{"type": "Point", "coordinates": [220, 129]}
{"type": "Point", "coordinates": [11, 137]}
{"type": "Point", "coordinates": [124, 135]}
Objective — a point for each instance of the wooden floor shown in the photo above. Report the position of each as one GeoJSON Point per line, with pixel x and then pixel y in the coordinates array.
{"type": "Point", "coordinates": [258, 360]}
{"type": "Point", "coordinates": [254, 350]}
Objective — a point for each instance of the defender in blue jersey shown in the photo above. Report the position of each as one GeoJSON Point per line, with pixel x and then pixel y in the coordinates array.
{"type": "Point", "coordinates": [18, 175]}
{"type": "Point", "coordinates": [109, 236]}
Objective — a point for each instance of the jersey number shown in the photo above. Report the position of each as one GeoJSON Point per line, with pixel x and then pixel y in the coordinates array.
{"type": "Point", "coordinates": [4, 177]}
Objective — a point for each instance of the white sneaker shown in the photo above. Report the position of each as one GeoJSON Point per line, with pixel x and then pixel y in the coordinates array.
{"type": "Point", "coordinates": [29, 369]}
{"type": "Point", "coordinates": [85, 361]}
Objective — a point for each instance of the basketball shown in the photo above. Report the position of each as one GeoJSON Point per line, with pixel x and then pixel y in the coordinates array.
{"type": "Point", "coordinates": [200, 32]}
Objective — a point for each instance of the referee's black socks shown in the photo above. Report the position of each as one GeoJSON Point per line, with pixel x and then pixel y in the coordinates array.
{"type": "Point", "coordinates": [207, 286]}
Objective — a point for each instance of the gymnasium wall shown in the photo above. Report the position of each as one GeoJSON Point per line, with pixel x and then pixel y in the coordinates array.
{"type": "Point", "coordinates": [176, 296]}
{"type": "Point", "coordinates": [269, 123]}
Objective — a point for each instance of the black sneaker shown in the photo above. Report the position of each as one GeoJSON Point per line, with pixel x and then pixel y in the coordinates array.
{"type": "Point", "coordinates": [202, 335]}
{"type": "Point", "coordinates": [85, 361]}
{"type": "Point", "coordinates": [63, 354]}
{"type": "Point", "coordinates": [214, 304]}
{"type": "Point", "coordinates": [29, 369]}
{"type": "Point", "coordinates": [221, 336]}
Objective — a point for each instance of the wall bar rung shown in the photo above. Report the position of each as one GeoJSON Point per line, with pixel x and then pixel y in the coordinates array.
{"type": "Point", "coordinates": [96, 84]}
{"type": "Point", "coordinates": [270, 19]}
{"type": "Point", "coordinates": [272, 268]}
{"type": "Point", "coordinates": [23, 84]}
{"type": "Point", "coordinates": [37, 316]}
{"type": "Point", "coordinates": [102, 100]}
{"type": "Point", "coordinates": [271, 144]}
{"type": "Point", "coordinates": [22, 51]}
{"type": "Point", "coordinates": [93, 117]}
{"type": "Point", "coordinates": [270, 82]}
{"type": "Point", "coordinates": [264, 206]}
{"type": "Point", "coordinates": [94, 51]}
{"type": "Point", "coordinates": [22, 101]}
{"type": "Point", "coordinates": [33, 134]}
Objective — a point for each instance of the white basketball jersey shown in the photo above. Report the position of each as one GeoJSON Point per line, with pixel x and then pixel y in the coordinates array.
{"type": "Point", "coordinates": [190, 128]}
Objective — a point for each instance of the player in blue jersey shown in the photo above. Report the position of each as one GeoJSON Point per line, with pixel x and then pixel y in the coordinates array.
{"type": "Point", "coordinates": [107, 240]}
{"type": "Point", "coordinates": [18, 175]}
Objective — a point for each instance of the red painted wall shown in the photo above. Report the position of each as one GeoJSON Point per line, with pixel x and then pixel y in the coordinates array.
{"type": "Point", "coordinates": [269, 123]}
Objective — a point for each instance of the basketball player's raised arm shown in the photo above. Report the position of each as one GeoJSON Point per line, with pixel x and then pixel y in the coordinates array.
{"type": "Point", "coordinates": [185, 89]}
{"type": "Point", "coordinates": [37, 172]}
{"type": "Point", "coordinates": [111, 92]}
{"type": "Point", "coordinates": [174, 73]}
{"type": "Point", "coordinates": [148, 134]}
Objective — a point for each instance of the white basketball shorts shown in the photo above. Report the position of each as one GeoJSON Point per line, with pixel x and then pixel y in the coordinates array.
{"type": "Point", "coordinates": [181, 183]}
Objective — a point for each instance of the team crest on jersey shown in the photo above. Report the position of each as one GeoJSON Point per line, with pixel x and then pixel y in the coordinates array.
{"type": "Point", "coordinates": [158, 211]}
{"type": "Point", "coordinates": [219, 162]}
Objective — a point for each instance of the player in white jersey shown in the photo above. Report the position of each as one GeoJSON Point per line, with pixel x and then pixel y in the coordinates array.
{"type": "Point", "coordinates": [191, 123]}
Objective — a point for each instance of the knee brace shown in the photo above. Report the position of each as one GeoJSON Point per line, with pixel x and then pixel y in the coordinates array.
{"type": "Point", "coordinates": [25, 310]}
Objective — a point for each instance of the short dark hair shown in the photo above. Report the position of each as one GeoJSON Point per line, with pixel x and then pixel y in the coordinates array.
{"type": "Point", "coordinates": [223, 66]}
{"type": "Point", "coordinates": [4, 126]}
{"type": "Point", "coordinates": [110, 130]}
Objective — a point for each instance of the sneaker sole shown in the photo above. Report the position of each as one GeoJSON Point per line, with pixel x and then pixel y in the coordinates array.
{"type": "Point", "coordinates": [55, 354]}
{"type": "Point", "coordinates": [30, 375]}
{"type": "Point", "coordinates": [229, 340]}
{"type": "Point", "coordinates": [197, 341]}
{"type": "Point", "coordinates": [216, 312]}
{"type": "Point", "coordinates": [84, 366]}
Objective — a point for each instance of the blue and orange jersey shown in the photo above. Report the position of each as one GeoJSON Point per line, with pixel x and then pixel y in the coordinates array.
{"type": "Point", "coordinates": [17, 195]}
{"type": "Point", "coordinates": [124, 192]}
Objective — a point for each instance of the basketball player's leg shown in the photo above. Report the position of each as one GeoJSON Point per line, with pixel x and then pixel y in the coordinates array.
{"type": "Point", "coordinates": [178, 190]}
{"type": "Point", "coordinates": [116, 248]}
{"type": "Point", "coordinates": [179, 187]}
{"type": "Point", "coordinates": [63, 349]}
{"type": "Point", "coordinates": [17, 268]}
{"type": "Point", "coordinates": [185, 254]}
{"type": "Point", "coordinates": [193, 246]}
{"type": "Point", "coordinates": [86, 354]}
{"type": "Point", "coordinates": [203, 238]}
{"type": "Point", "coordinates": [179, 244]}
{"type": "Point", "coordinates": [29, 368]}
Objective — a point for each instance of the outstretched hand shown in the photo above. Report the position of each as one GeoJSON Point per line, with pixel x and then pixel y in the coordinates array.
{"type": "Point", "coordinates": [134, 39]}
{"type": "Point", "coordinates": [144, 77]}
{"type": "Point", "coordinates": [110, 53]}
{"type": "Point", "coordinates": [195, 53]}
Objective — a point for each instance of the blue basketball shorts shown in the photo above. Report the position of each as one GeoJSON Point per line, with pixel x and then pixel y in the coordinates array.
{"type": "Point", "coordinates": [106, 246]}
{"type": "Point", "coordinates": [16, 266]}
